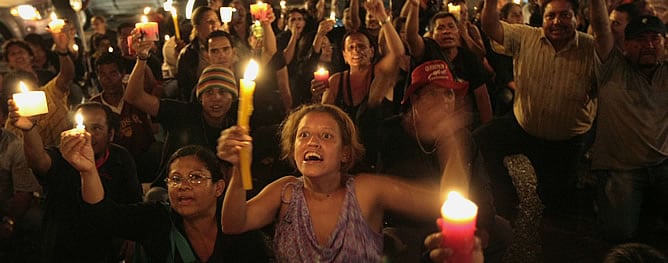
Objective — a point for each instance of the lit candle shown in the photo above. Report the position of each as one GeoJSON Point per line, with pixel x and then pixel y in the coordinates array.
{"type": "Point", "coordinates": [30, 103]}
{"type": "Point", "coordinates": [75, 47]}
{"type": "Point", "coordinates": [259, 10]}
{"type": "Point", "coordinates": [149, 30]}
{"type": "Point", "coordinates": [56, 25]}
{"type": "Point", "coordinates": [110, 49]}
{"type": "Point", "coordinates": [175, 19]}
{"type": "Point", "coordinates": [166, 38]}
{"type": "Point", "coordinates": [226, 14]}
{"type": "Point", "coordinates": [283, 4]}
{"type": "Point", "coordinates": [321, 74]}
{"type": "Point", "coordinates": [79, 119]}
{"type": "Point", "coordinates": [332, 16]}
{"type": "Point", "coordinates": [458, 227]}
{"type": "Point", "coordinates": [243, 118]}
{"type": "Point", "coordinates": [455, 10]}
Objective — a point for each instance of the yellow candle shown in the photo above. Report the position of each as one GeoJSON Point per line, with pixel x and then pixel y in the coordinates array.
{"type": "Point", "coordinates": [30, 103]}
{"type": "Point", "coordinates": [332, 15]}
{"type": "Point", "coordinates": [79, 119]}
{"type": "Point", "coordinates": [259, 10]}
{"type": "Point", "coordinates": [56, 25]}
{"type": "Point", "coordinates": [175, 19]}
{"type": "Point", "coordinates": [243, 119]}
{"type": "Point", "coordinates": [226, 14]}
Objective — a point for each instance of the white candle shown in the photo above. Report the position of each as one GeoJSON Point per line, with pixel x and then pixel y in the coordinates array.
{"type": "Point", "coordinates": [79, 119]}
{"type": "Point", "coordinates": [30, 103]}
{"type": "Point", "coordinates": [226, 14]}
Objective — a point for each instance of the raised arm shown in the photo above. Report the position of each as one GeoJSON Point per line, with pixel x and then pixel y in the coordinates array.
{"type": "Point", "coordinates": [388, 67]}
{"type": "Point", "coordinates": [415, 41]}
{"type": "Point", "coordinates": [37, 158]}
{"type": "Point", "coordinates": [268, 38]}
{"type": "Point", "coordinates": [600, 26]}
{"type": "Point", "coordinates": [490, 21]}
{"type": "Point", "coordinates": [355, 15]}
{"type": "Point", "coordinates": [134, 92]}
{"type": "Point", "coordinates": [76, 149]}
{"type": "Point", "coordinates": [289, 51]}
{"type": "Point", "coordinates": [237, 214]}
{"type": "Point", "coordinates": [66, 74]}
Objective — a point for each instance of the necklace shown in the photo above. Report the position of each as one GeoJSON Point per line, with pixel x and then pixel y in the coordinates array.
{"type": "Point", "coordinates": [418, 138]}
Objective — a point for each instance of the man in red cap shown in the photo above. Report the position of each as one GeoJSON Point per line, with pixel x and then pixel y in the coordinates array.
{"type": "Point", "coordinates": [431, 144]}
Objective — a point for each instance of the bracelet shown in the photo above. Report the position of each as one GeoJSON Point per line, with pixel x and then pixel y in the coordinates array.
{"type": "Point", "coordinates": [62, 54]}
{"type": "Point", "coordinates": [143, 58]}
{"type": "Point", "coordinates": [387, 20]}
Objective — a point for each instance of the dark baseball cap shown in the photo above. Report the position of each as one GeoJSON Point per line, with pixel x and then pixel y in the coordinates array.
{"type": "Point", "coordinates": [644, 24]}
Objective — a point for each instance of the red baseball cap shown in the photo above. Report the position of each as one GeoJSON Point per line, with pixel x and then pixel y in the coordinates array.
{"type": "Point", "coordinates": [438, 73]}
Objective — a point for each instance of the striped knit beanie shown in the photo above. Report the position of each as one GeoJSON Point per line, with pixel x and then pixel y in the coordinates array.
{"type": "Point", "coordinates": [216, 76]}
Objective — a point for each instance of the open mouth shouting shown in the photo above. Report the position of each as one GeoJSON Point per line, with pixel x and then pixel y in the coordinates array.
{"type": "Point", "coordinates": [312, 157]}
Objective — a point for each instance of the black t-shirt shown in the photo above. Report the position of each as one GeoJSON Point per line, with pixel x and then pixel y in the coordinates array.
{"type": "Point", "coordinates": [67, 236]}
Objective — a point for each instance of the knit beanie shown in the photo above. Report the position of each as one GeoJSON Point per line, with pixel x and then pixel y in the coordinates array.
{"type": "Point", "coordinates": [216, 76]}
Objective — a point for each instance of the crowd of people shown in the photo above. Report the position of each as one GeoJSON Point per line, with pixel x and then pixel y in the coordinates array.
{"type": "Point", "coordinates": [422, 98]}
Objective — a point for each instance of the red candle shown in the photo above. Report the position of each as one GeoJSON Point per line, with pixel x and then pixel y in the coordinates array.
{"type": "Point", "coordinates": [458, 227]}
{"type": "Point", "coordinates": [259, 10]}
{"type": "Point", "coordinates": [149, 29]}
{"type": "Point", "coordinates": [321, 75]}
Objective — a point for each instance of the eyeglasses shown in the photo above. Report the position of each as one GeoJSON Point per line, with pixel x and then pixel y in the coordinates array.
{"type": "Point", "coordinates": [193, 179]}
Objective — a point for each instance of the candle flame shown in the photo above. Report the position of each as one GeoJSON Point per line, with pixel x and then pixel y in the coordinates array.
{"type": "Point", "coordinates": [332, 15]}
{"type": "Point", "coordinates": [23, 87]}
{"type": "Point", "coordinates": [147, 10]}
{"type": "Point", "coordinates": [173, 12]}
{"type": "Point", "coordinates": [53, 16]}
{"type": "Point", "coordinates": [79, 119]}
{"type": "Point", "coordinates": [144, 19]}
{"type": "Point", "coordinates": [110, 49]}
{"type": "Point", "coordinates": [166, 37]}
{"type": "Point", "coordinates": [226, 14]}
{"type": "Point", "coordinates": [321, 70]}
{"type": "Point", "coordinates": [458, 208]}
{"type": "Point", "coordinates": [167, 5]}
{"type": "Point", "coordinates": [75, 47]}
{"type": "Point", "coordinates": [283, 4]}
{"type": "Point", "coordinates": [251, 70]}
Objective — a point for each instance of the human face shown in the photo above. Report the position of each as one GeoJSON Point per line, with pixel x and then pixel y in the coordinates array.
{"type": "Point", "coordinates": [123, 40]}
{"type": "Point", "coordinates": [515, 16]}
{"type": "Point", "coordinates": [98, 26]}
{"type": "Point", "coordinates": [296, 19]}
{"type": "Point", "coordinates": [188, 199]}
{"type": "Point", "coordinates": [645, 51]}
{"type": "Point", "coordinates": [357, 50]}
{"type": "Point", "coordinates": [372, 22]}
{"type": "Point", "coordinates": [446, 32]}
{"type": "Point", "coordinates": [103, 46]}
{"type": "Point", "coordinates": [559, 21]}
{"type": "Point", "coordinates": [95, 121]}
{"type": "Point", "coordinates": [221, 51]}
{"type": "Point", "coordinates": [19, 58]}
{"type": "Point", "coordinates": [319, 149]}
{"type": "Point", "coordinates": [326, 52]}
{"type": "Point", "coordinates": [216, 103]}
{"type": "Point", "coordinates": [110, 78]}
{"type": "Point", "coordinates": [39, 53]}
{"type": "Point", "coordinates": [208, 24]}
{"type": "Point", "coordinates": [618, 22]}
{"type": "Point", "coordinates": [432, 105]}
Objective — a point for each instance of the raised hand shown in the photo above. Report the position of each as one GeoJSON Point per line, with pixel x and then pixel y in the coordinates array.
{"type": "Point", "coordinates": [230, 142]}
{"type": "Point", "coordinates": [325, 26]}
{"type": "Point", "coordinates": [16, 120]}
{"type": "Point", "coordinates": [76, 148]}
{"type": "Point", "coordinates": [141, 47]}
{"type": "Point", "coordinates": [61, 39]}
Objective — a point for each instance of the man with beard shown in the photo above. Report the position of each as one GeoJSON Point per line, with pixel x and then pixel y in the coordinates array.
{"type": "Point", "coordinates": [630, 153]}
{"type": "Point", "coordinates": [66, 236]}
{"type": "Point", "coordinates": [554, 106]}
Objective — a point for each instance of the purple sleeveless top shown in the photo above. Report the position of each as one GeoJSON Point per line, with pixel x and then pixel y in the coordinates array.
{"type": "Point", "coordinates": [352, 240]}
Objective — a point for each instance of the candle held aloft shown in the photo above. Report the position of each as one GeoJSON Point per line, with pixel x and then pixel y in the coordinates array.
{"type": "Point", "coordinates": [149, 30]}
{"type": "Point", "coordinates": [56, 25]}
{"type": "Point", "coordinates": [458, 227]}
{"type": "Point", "coordinates": [175, 19]}
{"type": "Point", "coordinates": [332, 16]}
{"type": "Point", "coordinates": [30, 103]}
{"type": "Point", "coordinates": [455, 10]}
{"type": "Point", "coordinates": [321, 74]}
{"type": "Point", "coordinates": [243, 118]}
{"type": "Point", "coordinates": [79, 119]}
{"type": "Point", "coordinates": [259, 10]}
{"type": "Point", "coordinates": [226, 14]}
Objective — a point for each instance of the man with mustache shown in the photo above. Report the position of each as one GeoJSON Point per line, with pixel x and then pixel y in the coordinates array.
{"type": "Point", "coordinates": [630, 153]}
{"type": "Point", "coordinates": [554, 105]}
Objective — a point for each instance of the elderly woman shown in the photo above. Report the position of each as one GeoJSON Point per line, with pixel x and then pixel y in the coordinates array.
{"type": "Point", "coordinates": [325, 213]}
{"type": "Point", "coordinates": [187, 230]}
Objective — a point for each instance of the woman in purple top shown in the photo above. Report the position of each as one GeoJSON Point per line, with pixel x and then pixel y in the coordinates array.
{"type": "Point", "coordinates": [326, 214]}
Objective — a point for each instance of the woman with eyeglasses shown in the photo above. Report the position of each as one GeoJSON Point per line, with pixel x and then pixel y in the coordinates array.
{"type": "Point", "coordinates": [186, 230]}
